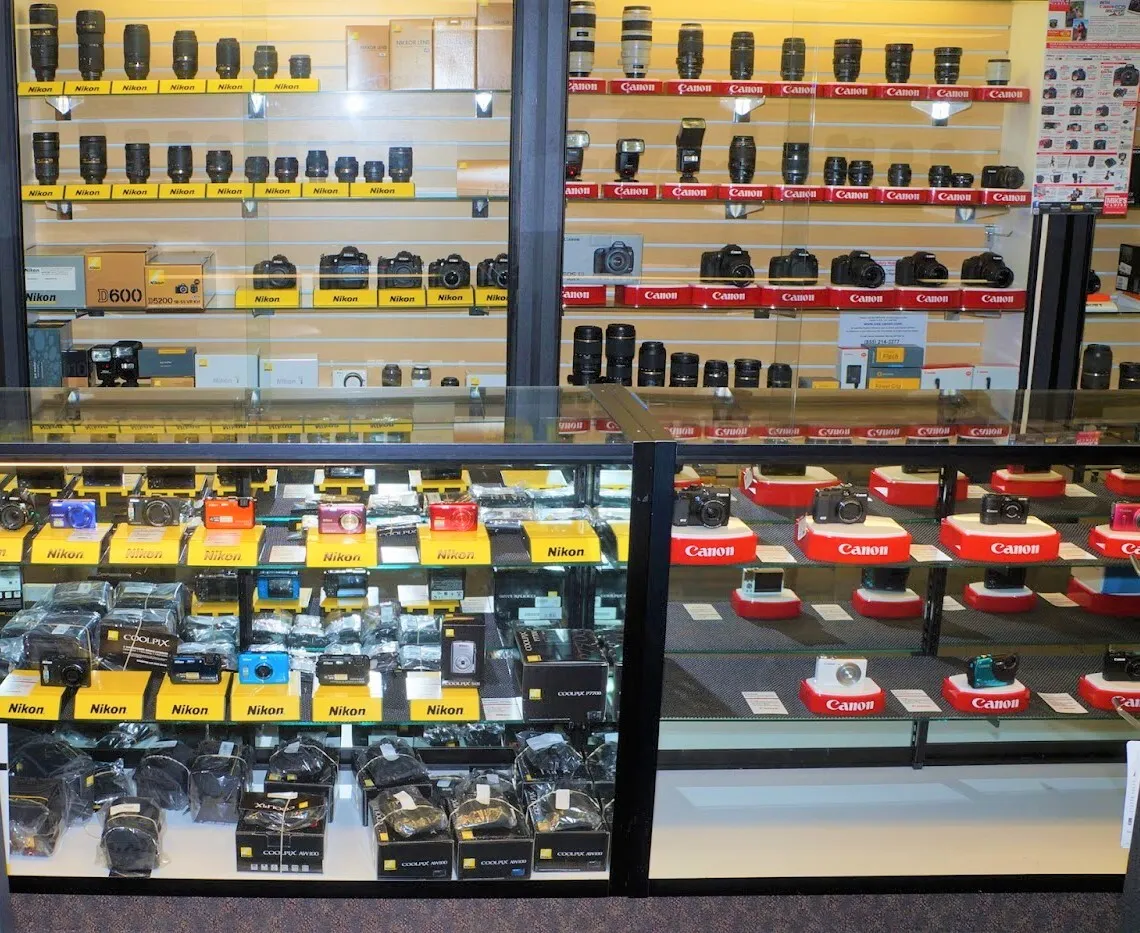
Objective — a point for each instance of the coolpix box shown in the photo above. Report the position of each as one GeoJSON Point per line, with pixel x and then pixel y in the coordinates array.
{"type": "Point", "coordinates": [277, 784]}
{"type": "Point", "coordinates": [429, 858]}
{"type": "Point", "coordinates": [493, 858]}
{"type": "Point", "coordinates": [260, 848]}
{"type": "Point", "coordinates": [602, 258]}
{"type": "Point", "coordinates": [462, 641]}
{"type": "Point", "coordinates": [571, 851]}
{"type": "Point", "coordinates": [166, 362]}
{"type": "Point", "coordinates": [136, 647]}
{"type": "Point", "coordinates": [563, 674]}
{"type": "Point", "coordinates": [54, 277]}
{"type": "Point", "coordinates": [904, 354]}
{"type": "Point", "coordinates": [225, 370]}
{"type": "Point", "coordinates": [180, 281]}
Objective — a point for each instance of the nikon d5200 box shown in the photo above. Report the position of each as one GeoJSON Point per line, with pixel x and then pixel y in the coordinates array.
{"type": "Point", "coordinates": [563, 674]}
{"type": "Point", "coordinates": [180, 281]}
{"type": "Point", "coordinates": [602, 258]}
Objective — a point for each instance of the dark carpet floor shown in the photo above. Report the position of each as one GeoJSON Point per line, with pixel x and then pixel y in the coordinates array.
{"type": "Point", "coordinates": [953, 913]}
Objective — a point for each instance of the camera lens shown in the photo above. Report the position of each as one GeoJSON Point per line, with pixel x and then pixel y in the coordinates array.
{"type": "Point", "coordinates": [185, 54]}
{"type": "Point", "coordinates": [684, 368]}
{"type": "Point", "coordinates": [286, 168]}
{"type": "Point", "coordinates": [391, 376]}
{"type": "Point", "coordinates": [1096, 366]}
{"type": "Point", "coordinates": [421, 377]}
{"type": "Point", "coordinates": [317, 164]}
{"type": "Point", "coordinates": [1129, 376]}
{"type": "Point", "coordinates": [583, 22]}
{"type": "Point", "coordinates": [793, 59]}
{"type": "Point", "coordinates": [45, 153]}
{"type": "Point", "coordinates": [138, 162]}
{"type": "Point", "coordinates": [228, 56]}
{"type": "Point", "coordinates": [899, 175]}
{"type": "Point", "coordinates": [263, 671]}
{"type": "Point", "coordinates": [690, 51]}
{"type": "Point", "coordinates": [586, 366]}
{"type": "Point", "coordinates": [834, 170]}
{"type": "Point", "coordinates": [93, 159]}
{"type": "Point", "coordinates": [716, 374]}
{"type": "Point", "coordinates": [742, 160]}
{"type": "Point", "coordinates": [300, 66]}
{"type": "Point", "coordinates": [179, 163]}
{"type": "Point", "coordinates": [899, 56]}
{"type": "Point", "coordinates": [265, 61]}
{"type": "Point", "coordinates": [90, 25]}
{"type": "Point", "coordinates": [636, 40]}
{"type": "Point", "coordinates": [257, 169]}
{"type": "Point", "coordinates": [449, 382]}
{"type": "Point", "coordinates": [136, 51]}
{"type": "Point", "coordinates": [861, 172]}
{"type": "Point", "coordinates": [400, 163]}
{"type": "Point", "coordinates": [999, 71]}
{"type": "Point", "coordinates": [44, 41]}
{"type": "Point", "coordinates": [219, 165]}
{"type": "Point", "coordinates": [651, 364]}
{"type": "Point", "coordinates": [347, 169]}
{"type": "Point", "coordinates": [961, 180]}
{"type": "Point", "coordinates": [746, 373]}
{"type": "Point", "coordinates": [947, 64]}
{"type": "Point", "coordinates": [780, 376]}
{"type": "Point", "coordinates": [742, 56]}
{"type": "Point", "coordinates": [794, 165]}
{"type": "Point", "coordinates": [940, 176]}
{"type": "Point", "coordinates": [374, 171]}
{"type": "Point", "coordinates": [847, 59]}
{"type": "Point", "coordinates": [621, 344]}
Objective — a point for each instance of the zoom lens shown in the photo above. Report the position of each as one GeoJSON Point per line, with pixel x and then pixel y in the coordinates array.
{"type": "Point", "coordinates": [651, 364]}
{"type": "Point", "coordinates": [835, 170]}
{"type": "Point", "coordinates": [742, 56]}
{"type": "Point", "coordinates": [93, 159]}
{"type": "Point", "coordinates": [347, 169]}
{"type": "Point", "coordinates": [400, 163]}
{"type": "Point", "coordinates": [43, 18]}
{"type": "Point", "coordinates": [742, 160]}
{"type": "Point", "coordinates": [1096, 367]}
{"type": "Point", "coordinates": [861, 172]}
{"type": "Point", "coordinates": [716, 374]}
{"type": "Point", "coordinates": [847, 60]}
{"type": "Point", "coordinates": [449, 382]}
{"type": "Point", "coordinates": [317, 164]}
{"type": "Point", "coordinates": [636, 40]}
{"type": "Point", "coordinates": [684, 370]}
{"type": "Point", "coordinates": [795, 163]}
{"type": "Point", "coordinates": [257, 169]}
{"type": "Point", "coordinates": [228, 58]}
{"type": "Point", "coordinates": [746, 373]}
{"type": "Point", "coordinates": [780, 376]}
{"type": "Point", "coordinates": [961, 180]}
{"type": "Point", "coordinates": [793, 59]}
{"type": "Point", "coordinates": [138, 162]}
{"type": "Point", "coordinates": [219, 165]}
{"type": "Point", "coordinates": [583, 23]}
{"type": "Point", "coordinates": [136, 51]}
{"type": "Point", "coordinates": [621, 344]}
{"type": "Point", "coordinates": [179, 164]}
{"type": "Point", "coordinates": [265, 61]}
{"type": "Point", "coordinates": [690, 51]}
{"type": "Point", "coordinates": [391, 376]}
{"type": "Point", "coordinates": [586, 366]}
{"type": "Point", "coordinates": [185, 54]}
{"type": "Point", "coordinates": [1129, 376]}
{"type": "Point", "coordinates": [899, 55]}
{"type": "Point", "coordinates": [947, 64]}
{"type": "Point", "coordinates": [286, 168]}
{"type": "Point", "coordinates": [374, 171]}
{"type": "Point", "coordinates": [899, 175]}
{"type": "Point", "coordinates": [421, 377]}
{"type": "Point", "coordinates": [999, 71]}
{"type": "Point", "coordinates": [940, 176]}
{"type": "Point", "coordinates": [45, 156]}
{"type": "Point", "coordinates": [90, 26]}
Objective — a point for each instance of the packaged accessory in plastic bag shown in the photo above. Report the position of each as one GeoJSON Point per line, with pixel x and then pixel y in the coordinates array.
{"type": "Point", "coordinates": [226, 651]}
{"type": "Point", "coordinates": [420, 657]}
{"type": "Point", "coordinates": [548, 755]}
{"type": "Point", "coordinates": [138, 594]}
{"type": "Point", "coordinates": [385, 655]}
{"type": "Point", "coordinates": [80, 596]}
{"type": "Point", "coordinates": [486, 804]}
{"type": "Point", "coordinates": [132, 837]}
{"type": "Point", "coordinates": [218, 776]}
{"type": "Point", "coordinates": [62, 635]}
{"type": "Point", "coordinates": [37, 814]}
{"type": "Point", "coordinates": [408, 814]}
{"type": "Point", "coordinates": [389, 763]}
{"type": "Point", "coordinates": [419, 629]}
{"type": "Point", "coordinates": [381, 621]}
{"type": "Point", "coordinates": [46, 756]}
{"type": "Point", "coordinates": [304, 760]}
{"type": "Point", "coordinates": [163, 775]}
{"type": "Point", "coordinates": [110, 781]}
{"type": "Point", "coordinates": [210, 628]}
{"type": "Point", "coordinates": [308, 633]}
{"type": "Point", "coordinates": [565, 810]}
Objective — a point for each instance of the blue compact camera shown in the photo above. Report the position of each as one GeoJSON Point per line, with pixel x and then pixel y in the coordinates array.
{"type": "Point", "coordinates": [72, 513]}
{"type": "Point", "coordinates": [988, 670]}
{"type": "Point", "coordinates": [279, 584]}
{"type": "Point", "coordinates": [272, 667]}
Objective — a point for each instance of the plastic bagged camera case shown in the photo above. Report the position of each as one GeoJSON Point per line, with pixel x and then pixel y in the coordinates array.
{"type": "Point", "coordinates": [163, 775]}
{"type": "Point", "coordinates": [37, 814]}
{"type": "Point", "coordinates": [219, 775]}
{"type": "Point", "coordinates": [303, 766]}
{"type": "Point", "coordinates": [45, 756]}
{"type": "Point", "coordinates": [131, 843]}
{"type": "Point", "coordinates": [82, 596]}
{"type": "Point", "coordinates": [138, 594]}
{"type": "Point", "coordinates": [62, 635]}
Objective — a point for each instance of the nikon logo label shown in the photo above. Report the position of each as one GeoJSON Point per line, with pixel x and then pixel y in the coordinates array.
{"type": "Point", "coordinates": [40, 297]}
{"type": "Point", "coordinates": [61, 553]}
{"type": "Point", "coordinates": [179, 192]}
{"type": "Point", "coordinates": [380, 189]}
{"type": "Point", "coordinates": [286, 86]}
{"type": "Point", "coordinates": [450, 296]}
{"type": "Point", "coordinates": [185, 709]}
{"type": "Point", "coordinates": [25, 709]}
{"type": "Point", "coordinates": [268, 299]}
{"type": "Point", "coordinates": [401, 299]}
{"type": "Point", "coordinates": [229, 190]}
{"type": "Point", "coordinates": [266, 711]}
{"type": "Point", "coordinates": [133, 87]}
{"type": "Point", "coordinates": [456, 555]}
{"type": "Point", "coordinates": [41, 89]}
{"type": "Point", "coordinates": [340, 557]}
{"type": "Point", "coordinates": [566, 552]}
{"type": "Point", "coordinates": [132, 192]}
{"type": "Point", "coordinates": [219, 556]}
{"type": "Point", "coordinates": [441, 709]}
{"type": "Point", "coordinates": [230, 86]}
{"type": "Point", "coordinates": [346, 299]}
{"type": "Point", "coordinates": [107, 709]}
{"type": "Point", "coordinates": [182, 86]}
{"type": "Point", "coordinates": [84, 191]}
{"type": "Point", "coordinates": [138, 553]}
{"type": "Point", "coordinates": [347, 711]}
{"type": "Point", "coordinates": [85, 89]}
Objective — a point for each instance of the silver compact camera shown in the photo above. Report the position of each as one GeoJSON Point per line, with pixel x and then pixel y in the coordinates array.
{"type": "Point", "coordinates": [840, 672]}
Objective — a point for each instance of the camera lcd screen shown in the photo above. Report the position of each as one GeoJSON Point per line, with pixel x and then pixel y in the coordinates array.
{"type": "Point", "coordinates": [1005, 578]}
{"type": "Point", "coordinates": [42, 479]}
{"type": "Point", "coordinates": [103, 476]}
{"type": "Point", "coordinates": [763, 581]}
{"type": "Point", "coordinates": [171, 478]}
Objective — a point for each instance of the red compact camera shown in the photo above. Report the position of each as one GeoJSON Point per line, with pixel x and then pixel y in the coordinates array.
{"type": "Point", "coordinates": [341, 518]}
{"type": "Point", "coordinates": [454, 515]}
{"type": "Point", "coordinates": [227, 513]}
{"type": "Point", "coordinates": [1125, 516]}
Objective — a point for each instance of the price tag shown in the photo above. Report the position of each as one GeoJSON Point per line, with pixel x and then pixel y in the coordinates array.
{"type": "Point", "coordinates": [287, 554]}
{"type": "Point", "coordinates": [764, 703]}
{"type": "Point", "coordinates": [483, 793]}
{"type": "Point", "coordinates": [950, 604]}
{"type": "Point", "coordinates": [476, 605]}
{"type": "Point", "coordinates": [1073, 491]}
{"type": "Point", "coordinates": [832, 612]}
{"type": "Point", "coordinates": [1069, 551]}
{"type": "Point", "coordinates": [508, 709]}
{"type": "Point", "coordinates": [86, 535]}
{"type": "Point", "coordinates": [916, 701]}
{"type": "Point", "coordinates": [774, 554]}
{"type": "Point", "coordinates": [703, 612]}
{"type": "Point", "coordinates": [925, 553]}
{"type": "Point", "coordinates": [1131, 791]}
{"type": "Point", "coordinates": [1062, 703]}
{"type": "Point", "coordinates": [223, 538]}
{"type": "Point", "coordinates": [974, 491]}
{"type": "Point", "coordinates": [562, 799]}
{"type": "Point", "coordinates": [1060, 600]}
{"type": "Point", "coordinates": [146, 535]}
{"type": "Point", "coordinates": [389, 753]}
{"type": "Point", "coordinates": [406, 800]}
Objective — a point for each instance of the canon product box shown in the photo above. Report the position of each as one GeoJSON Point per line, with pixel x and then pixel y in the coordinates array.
{"type": "Point", "coordinates": [47, 343]}
{"type": "Point", "coordinates": [531, 598]}
{"type": "Point", "coordinates": [494, 45]}
{"type": "Point", "coordinates": [411, 54]}
{"type": "Point", "coordinates": [902, 355]}
{"type": "Point", "coordinates": [166, 362]}
{"type": "Point", "coordinates": [948, 378]}
{"type": "Point", "coordinates": [115, 276]}
{"type": "Point", "coordinates": [462, 641]}
{"type": "Point", "coordinates": [180, 281]}
{"type": "Point", "coordinates": [602, 258]}
{"type": "Point", "coordinates": [897, 378]}
{"type": "Point", "coordinates": [260, 848]}
{"type": "Point", "coordinates": [367, 55]}
{"type": "Point", "coordinates": [998, 377]}
{"type": "Point", "coordinates": [225, 371]}
{"type": "Point", "coordinates": [493, 858]}
{"type": "Point", "coordinates": [290, 373]}
{"type": "Point", "coordinates": [453, 53]}
{"type": "Point", "coordinates": [563, 674]}
{"type": "Point", "coordinates": [1128, 269]}
{"type": "Point", "coordinates": [54, 277]}
{"type": "Point", "coordinates": [852, 369]}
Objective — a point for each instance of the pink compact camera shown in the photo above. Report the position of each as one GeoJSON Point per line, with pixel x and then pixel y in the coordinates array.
{"type": "Point", "coordinates": [341, 518]}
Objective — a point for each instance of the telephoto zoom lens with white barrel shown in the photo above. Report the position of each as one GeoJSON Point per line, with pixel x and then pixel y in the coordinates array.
{"type": "Point", "coordinates": [636, 40]}
{"type": "Point", "coordinates": [583, 23]}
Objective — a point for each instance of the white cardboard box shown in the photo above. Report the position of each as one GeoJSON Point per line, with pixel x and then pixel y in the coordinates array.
{"type": "Point", "coordinates": [225, 371]}
{"type": "Point", "coordinates": [998, 377]}
{"type": "Point", "coordinates": [948, 378]}
{"type": "Point", "coordinates": [852, 369]}
{"type": "Point", "coordinates": [290, 373]}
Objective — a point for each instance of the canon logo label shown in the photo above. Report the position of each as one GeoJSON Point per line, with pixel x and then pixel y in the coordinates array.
{"type": "Point", "coordinates": [1007, 197]}
{"type": "Point", "coordinates": [798, 194]}
{"type": "Point", "coordinates": [662, 296]}
{"type": "Point", "coordinates": [1014, 550]}
{"type": "Point", "coordinates": [931, 431]}
{"type": "Point", "coordinates": [631, 191]}
{"type": "Point", "coordinates": [903, 196]}
{"type": "Point", "coordinates": [800, 297]}
{"type": "Point", "coordinates": [860, 299]}
{"type": "Point", "coordinates": [1130, 548]}
{"type": "Point", "coordinates": [1127, 702]}
{"type": "Point", "coordinates": [994, 704]}
{"type": "Point", "coordinates": [851, 90]}
{"type": "Point", "coordinates": [576, 293]}
{"type": "Point", "coordinates": [981, 431]}
{"type": "Point", "coordinates": [937, 298]}
{"type": "Point", "coordinates": [946, 196]}
{"type": "Point", "coordinates": [881, 433]}
{"type": "Point", "coordinates": [863, 550]}
{"type": "Point", "coordinates": [637, 87]}
{"type": "Point", "coordinates": [783, 432]}
{"type": "Point", "coordinates": [795, 90]}
{"type": "Point", "coordinates": [832, 432]}
{"type": "Point", "coordinates": [737, 296]}
{"type": "Point", "coordinates": [729, 432]}
{"type": "Point", "coordinates": [567, 426]}
{"type": "Point", "coordinates": [690, 87]}
{"type": "Point", "coordinates": [850, 706]}
{"type": "Point", "coordinates": [950, 93]}
{"type": "Point", "coordinates": [697, 550]}
{"type": "Point", "coordinates": [852, 194]}
{"type": "Point", "coordinates": [998, 93]}
{"type": "Point", "coordinates": [745, 193]}
{"type": "Point", "coordinates": [689, 191]}
{"type": "Point", "coordinates": [682, 431]}
{"type": "Point", "coordinates": [902, 93]}
{"type": "Point", "coordinates": [573, 191]}
{"type": "Point", "coordinates": [998, 299]}
{"type": "Point", "coordinates": [749, 90]}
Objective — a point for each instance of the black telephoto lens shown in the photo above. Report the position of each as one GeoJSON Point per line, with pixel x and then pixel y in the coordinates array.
{"type": "Point", "coordinates": [1129, 376]}
{"type": "Point", "coordinates": [219, 165]}
{"type": "Point", "coordinates": [136, 51]}
{"type": "Point", "coordinates": [286, 168]}
{"type": "Point", "coordinates": [746, 373]}
{"type": "Point", "coordinates": [138, 162]}
{"type": "Point", "coordinates": [449, 382]}
{"type": "Point", "coordinates": [90, 25]}
{"type": "Point", "coordinates": [317, 164]}
{"type": "Point", "coordinates": [716, 374]}
{"type": "Point", "coordinates": [861, 172]}
{"type": "Point", "coordinates": [44, 40]}
{"type": "Point", "coordinates": [651, 364]}
{"type": "Point", "coordinates": [690, 51]}
{"type": "Point", "coordinates": [265, 61]}
{"type": "Point", "coordinates": [961, 180]}
{"type": "Point", "coordinates": [300, 66]}
{"type": "Point", "coordinates": [400, 163]}
{"type": "Point", "coordinates": [947, 64]}
{"type": "Point", "coordinates": [347, 169]}
{"type": "Point", "coordinates": [793, 59]}
{"type": "Point", "coordinates": [742, 160]}
{"type": "Point", "coordinates": [780, 376]}
{"type": "Point", "coordinates": [795, 163]}
{"type": "Point", "coordinates": [374, 171]}
{"type": "Point", "coordinates": [899, 175]}
{"type": "Point", "coordinates": [179, 164]}
{"type": "Point", "coordinates": [899, 55]}
{"type": "Point", "coordinates": [940, 176]}
{"type": "Point", "coordinates": [742, 56]}
{"type": "Point", "coordinates": [45, 154]}
{"type": "Point", "coordinates": [848, 59]}
{"type": "Point", "coordinates": [684, 370]}
{"type": "Point", "coordinates": [621, 345]}
{"type": "Point", "coordinates": [185, 54]}
{"type": "Point", "coordinates": [1096, 366]}
{"type": "Point", "coordinates": [228, 58]}
{"type": "Point", "coordinates": [835, 170]}
{"type": "Point", "coordinates": [586, 366]}
{"type": "Point", "coordinates": [257, 169]}
{"type": "Point", "coordinates": [93, 159]}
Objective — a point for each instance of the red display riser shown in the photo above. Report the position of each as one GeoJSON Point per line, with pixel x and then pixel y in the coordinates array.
{"type": "Point", "coordinates": [581, 190]}
{"type": "Point", "coordinates": [958, 93]}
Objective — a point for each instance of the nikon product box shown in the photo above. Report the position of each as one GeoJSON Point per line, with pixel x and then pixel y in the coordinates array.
{"type": "Point", "coordinates": [166, 362]}
{"type": "Point", "coordinates": [463, 640]}
{"type": "Point", "coordinates": [180, 281]}
{"type": "Point", "coordinates": [563, 674]}
{"type": "Point", "coordinates": [482, 177]}
{"type": "Point", "coordinates": [585, 850]}
{"type": "Point", "coordinates": [493, 858]}
{"type": "Point", "coordinates": [367, 55]}
{"type": "Point", "coordinates": [422, 859]}
{"type": "Point", "coordinates": [530, 597]}
{"type": "Point", "coordinates": [453, 53]}
{"type": "Point", "coordinates": [130, 647]}
{"type": "Point", "coordinates": [299, 373]}
{"type": "Point", "coordinates": [1128, 270]}
{"type": "Point", "coordinates": [260, 847]}
{"type": "Point", "coordinates": [115, 276]}
{"type": "Point", "coordinates": [602, 258]}
{"type": "Point", "coordinates": [225, 370]}
{"type": "Point", "coordinates": [54, 277]}
{"type": "Point", "coordinates": [494, 43]}
{"type": "Point", "coordinates": [47, 343]}
{"type": "Point", "coordinates": [411, 54]}
{"type": "Point", "coordinates": [277, 784]}
{"type": "Point", "coordinates": [905, 355]}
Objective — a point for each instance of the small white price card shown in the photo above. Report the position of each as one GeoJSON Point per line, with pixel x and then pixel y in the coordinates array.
{"type": "Point", "coordinates": [507, 709]}
{"type": "Point", "coordinates": [925, 553]}
{"type": "Point", "coordinates": [774, 554]}
{"type": "Point", "coordinates": [950, 604]}
{"type": "Point", "coordinates": [916, 701]}
{"type": "Point", "coordinates": [1070, 551]}
{"type": "Point", "coordinates": [287, 554]}
{"type": "Point", "coordinates": [832, 612]}
{"type": "Point", "coordinates": [1060, 600]}
{"type": "Point", "coordinates": [764, 703]}
{"type": "Point", "coordinates": [975, 492]}
{"type": "Point", "coordinates": [1073, 491]}
{"type": "Point", "coordinates": [1062, 703]}
{"type": "Point", "coordinates": [702, 612]}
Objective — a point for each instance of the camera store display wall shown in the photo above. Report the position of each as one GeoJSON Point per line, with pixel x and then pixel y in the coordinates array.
{"type": "Point", "coordinates": [1105, 324]}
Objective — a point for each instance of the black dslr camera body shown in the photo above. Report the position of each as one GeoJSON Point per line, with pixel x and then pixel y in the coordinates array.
{"type": "Point", "coordinates": [1121, 666]}
{"type": "Point", "coordinates": [839, 505]}
{"type": "Point", "coordinates": [710, 506]}
{"type": "Point", "coordinates": [799, 267]}
{"type": "Point", "coordinates": [1000, 509]}
{"type": "Point", "coordinates": [1002, 176]}
{"type": "Point", "coordinates": [494, 273]}
{"type": "Point", "coordinates": [921, 269]}
{"type": "Point", "coordinates": [857, 269]}
{"type": "Point", "coordinates": [16, 510]}
{"type": "Point", "coordinates": [404, 270]}
{"type": "Point", "coordinates": [274, 274]}
{"type": "Point", "coordinates": [1126, 76]}
{"type": "Point", "coordinates": [347, 270]}
{"type": "Point", "coordinates": [730, 265]}
{"type": "Point", "coordinates": [451, 273]}
{"type": "Point", "coordinates": [987, 269]}
{"type": "Point", "coordinates": [615, 259]}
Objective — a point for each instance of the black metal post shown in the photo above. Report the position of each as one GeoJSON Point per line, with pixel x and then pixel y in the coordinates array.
{"type": "Point", "coordinates": [13, 311]}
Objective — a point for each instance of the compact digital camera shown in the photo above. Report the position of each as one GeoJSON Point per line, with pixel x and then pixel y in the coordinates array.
{"type": "Point", "coordinates": [348, 269]}
{"type": "Point", "coordinates": [463, 657]}
{"type": "Point", "coordinates": [839, 504]}
{"type": "Point", "coordinates": [236, 513]}
{"type": "Point", "coordinates": [758, 582]}
{"type": "Point", "coordinates": [345, 584]}
{"type": "Point", "coordinates": [65, 672]}
{"type": "Point", "coordinates": [1125, 516]}
{"type": "Point", "coordinates": [343, 669]}
{"type": "Point", "coordinates": [1000, 509]}
{"type": "Point", "coordinates": [1121, 666]}
{"type": "Point", "coordinates": [453, 515]}
{"type": "Point", "coordinates": [886, 579]}
{"type": "Point", "coordinates": [451, 273]}
{"type": "Point", "coordinates": [155, 512]}
{"type": "Point", "coordinates": [992, 670]}
{"type": "Point", "coordinates": [279, 584]}
{"type": "Point", "coordinates": [710, 506]}
{"type": "Point", "coordinates": [276, 274]}
{"type": "Point", "coordinates": [220, 587]}
{"type": "Point", "coordinates": [270, 667]}
{"type": "Point", "coordinates": [404, 270]}
{"type": "Point", "coordinates": [840, 672]}
{"type": "Point", "coordinates": [72, 513]}
{"type": "Point", "coordinates": [1005, 578]}
{"type": "Point", "coordinates": [341, 518]}
{"type": "Point", "coordinates": [196, 669]}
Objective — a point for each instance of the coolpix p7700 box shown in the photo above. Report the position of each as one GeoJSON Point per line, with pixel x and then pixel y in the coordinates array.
{"type": "Point", "coordinates": [563, 674]}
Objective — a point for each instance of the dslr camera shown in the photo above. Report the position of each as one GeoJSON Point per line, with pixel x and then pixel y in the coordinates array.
{"type": "Point", "coordinates": [16, 511]}
{"type": "Point", "coordinates": [799, 267]}
{"type": "Point", "coordinates": [922, 269]}
{"type": "Point", "coordinates": [274, 274]}
{"type": "Point", "coordinates": [348, 269]}
{"type": "Point", "coordinates": [1121, 665]}
{"type": "Point", "coordinates": [196, 669]}
{"type": "Point", "coordinates": [988, 270]}
{"type": "Point", "coordinates": [72, 513]}
{"type": "Point", "coordinates": [992, 670]}
{"type": "Point", "coordinates": [269, 667]}
{"type": "Point", "coordinates": [155, 512]}
{"type": "Point", "coordinates": [65, 672]}
{"type": "Point", "coordinates": [615, 259]}
{"type": "Point", "coordinates": [839, 504]}
{"type": "Point", "coordinates": [1126, 76]}
{"type": "Point", "coordinates": [730, 264]}
{"type": "Point", "coordinates": [404, 270]}
{"type": "Point", "coordinates": [710, 506]}
{"type": "Point", "coordinates": [839, 672]}
{"type": "Point", "coordinates": [452, 272]}
{"type": "Point", "coordinates": [1000, 509]}
{"type": "Point", "coordinates": [494, 273]}
{"type": "Point", "coordinates": [1002, 176]}
{"type": "Point", "coordinates": [857, 269]}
